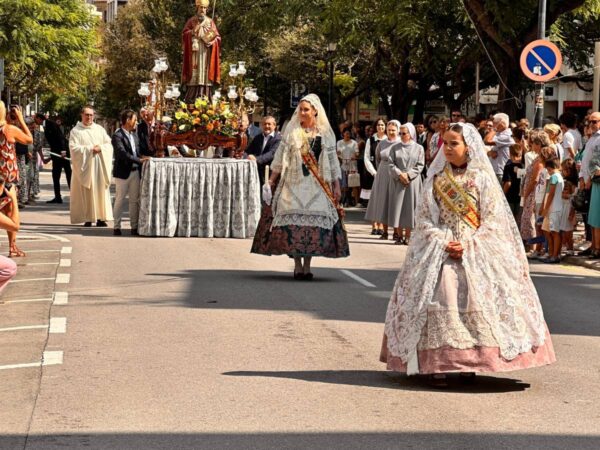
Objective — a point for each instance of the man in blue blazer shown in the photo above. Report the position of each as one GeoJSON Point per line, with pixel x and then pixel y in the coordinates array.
{"type": "Point", "coordinates": [263, 147]}
{"type": "Point", "coordinates": [127, 171]}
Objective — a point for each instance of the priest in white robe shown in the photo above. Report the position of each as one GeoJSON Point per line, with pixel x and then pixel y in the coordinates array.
{"type": "Point", "coordinates": [92, 156]}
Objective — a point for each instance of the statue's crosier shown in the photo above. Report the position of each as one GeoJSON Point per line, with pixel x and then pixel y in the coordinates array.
{"type": "Point", "coordinates": [201, 53]}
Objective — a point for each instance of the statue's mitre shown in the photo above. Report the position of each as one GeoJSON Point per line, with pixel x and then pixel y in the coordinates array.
{"type": "Point", "coordinates": [205, 3]}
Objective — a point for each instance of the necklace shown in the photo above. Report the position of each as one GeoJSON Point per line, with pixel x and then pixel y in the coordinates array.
{"type": "Point", "coordinates": [459, 170]}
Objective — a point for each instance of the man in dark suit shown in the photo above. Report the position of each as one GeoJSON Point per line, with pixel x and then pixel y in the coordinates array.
{"type": "Point", "coordinates": [127, 171]}
{"type": "Point", "coordinates": [58, 145]}
{"type": "Point", "coordinates": [263, 147]}
{"type": "Point", "coordinates": [144, 130]}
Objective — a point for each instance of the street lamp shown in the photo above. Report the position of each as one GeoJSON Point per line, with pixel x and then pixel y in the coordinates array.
{"type": "Point", "coordinates": [331, 48]}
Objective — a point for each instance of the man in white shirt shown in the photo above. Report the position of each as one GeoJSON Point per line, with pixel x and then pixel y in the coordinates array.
{"type": "Point", "coordinates": [571, 135]}
{"type": "Point", "coordinates": [501, 139]}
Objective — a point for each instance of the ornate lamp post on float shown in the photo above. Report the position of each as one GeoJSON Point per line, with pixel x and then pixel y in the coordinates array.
{"type": "Point", "coordinates": [207, 122]}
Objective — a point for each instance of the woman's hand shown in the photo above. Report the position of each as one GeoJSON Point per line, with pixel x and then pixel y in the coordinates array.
{"type": "Point", "coordinates": [404, 179]}
{"type": "Point", "coordinates": [12, 194]}
{"type": "Point", "coordinates": [455, 250]}
{"type": "Point", "coordinates": [337, 191]}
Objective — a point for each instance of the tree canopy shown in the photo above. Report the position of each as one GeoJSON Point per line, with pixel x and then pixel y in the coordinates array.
{"type": "Point", "coordinates": [48, 46]}
{"type": "Point", "coordinates": [399, 52]}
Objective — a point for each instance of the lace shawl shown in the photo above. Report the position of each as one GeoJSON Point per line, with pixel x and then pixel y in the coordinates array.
{"type": "Point", "coordinates": [299, 199]}
{"type": "Point", "coordinates": [496, 269]}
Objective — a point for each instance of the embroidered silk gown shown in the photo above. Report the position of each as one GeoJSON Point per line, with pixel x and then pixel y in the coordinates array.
{"type": "Point", "coordinates": [469, 322]}
{"type": "Point", "coordinates": [302, 221]}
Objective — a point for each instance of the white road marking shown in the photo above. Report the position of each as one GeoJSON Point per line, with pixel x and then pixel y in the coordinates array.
{"type": "Point", "coordinates": [61, 298]}
{"type": "Point", "coordinates": [50, 358]}
{"type": "Point", "coordinates": [31, 300]}
{"type": "Point", "coordinates": [25, 327]}
{"type": "Point", "coordinates": [42, 264]}
{"type": "Point", "coordinates": [58, 325]}
{"type": "Point", "coordinates": [31, 279]}
{"type": "Point", "coordinates": [51, 237]}
{"type": "Point", "coordinates": [63, 278]}
{"type": "Point", "coordinates": [65, 263]}
{"type": "Point", "coordinates": [357, 278]}
{"type": "Point", "coordinates": [66, 250]}
{"type": "Point", "coordinates": [42, 251]}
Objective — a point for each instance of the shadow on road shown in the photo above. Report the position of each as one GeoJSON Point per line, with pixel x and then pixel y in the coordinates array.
{"type": "Point", "coordinates": [380, 379]}
{"type": "Point", "coordinates": [570, 302]}
{"type": "Point", "coordinates": [325, 440]}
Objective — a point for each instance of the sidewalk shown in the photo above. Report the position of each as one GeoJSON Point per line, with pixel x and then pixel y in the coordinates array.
{"type": "Point", "coordinates": [32, 322]}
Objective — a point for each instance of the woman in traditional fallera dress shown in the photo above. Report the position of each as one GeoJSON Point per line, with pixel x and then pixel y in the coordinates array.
{"type": "Point", "coordinates": [305, 217]}
{"type": "Point", "coordinates": [464, 301]}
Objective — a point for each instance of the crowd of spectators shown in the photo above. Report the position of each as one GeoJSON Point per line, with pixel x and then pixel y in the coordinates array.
{"type": "Point", "coordinates": [549, 175]}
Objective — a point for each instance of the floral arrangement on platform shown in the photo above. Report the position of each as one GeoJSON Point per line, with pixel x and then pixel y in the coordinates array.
{"type": "Point", "coordinates": [214, 116]}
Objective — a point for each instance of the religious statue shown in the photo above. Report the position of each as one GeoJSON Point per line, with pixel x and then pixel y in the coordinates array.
{"type": "Point", "coordinates": [201, 54]}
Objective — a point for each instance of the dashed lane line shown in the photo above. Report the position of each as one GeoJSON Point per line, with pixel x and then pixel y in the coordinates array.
{"type": "Point", "coordinates": [66, 250]}
{"type": "Point", "coordinates": [63, 278]}
{"type": "Point", "coordinates": [61, 298]}
{"type": "Point", "coordinates": [58, 325]}
{"type": "Point", "coordinates": [357, 278]}
{"type": "Point", "coordinates": [65, 262]}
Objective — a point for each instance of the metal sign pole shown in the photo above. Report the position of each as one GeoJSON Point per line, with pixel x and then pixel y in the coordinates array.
{"type": "Point", "coordinates": [539, 100]}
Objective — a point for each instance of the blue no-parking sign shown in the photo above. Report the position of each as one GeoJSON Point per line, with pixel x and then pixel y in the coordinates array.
{"type": "Point", "coordinates": [541, 60]}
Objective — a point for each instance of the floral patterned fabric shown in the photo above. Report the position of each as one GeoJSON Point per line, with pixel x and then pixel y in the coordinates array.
{"type": "Point", "coordinates": [294, 240]}
{"type": "Point", "coordinates": [199, 197]}
{"type": "Point", "coordinates": [8, 160]}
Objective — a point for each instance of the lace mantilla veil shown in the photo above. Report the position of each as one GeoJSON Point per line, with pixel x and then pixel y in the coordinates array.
{"type": "Point", "coordinates": [494, 259]}
{"type": "Point", "coordinates": [288, 162]}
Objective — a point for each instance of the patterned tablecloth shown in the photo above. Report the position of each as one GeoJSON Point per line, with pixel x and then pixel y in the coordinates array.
{"type": "Point", "coordinates": [200, 198]}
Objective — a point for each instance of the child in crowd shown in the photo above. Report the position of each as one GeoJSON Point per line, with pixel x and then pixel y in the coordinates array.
{"type": "Point", "coordinates": [511, 184]}
{"type": "Point", "coordinates": [567, 219]}
{"type": "Point", "coordinates": [552, 210]}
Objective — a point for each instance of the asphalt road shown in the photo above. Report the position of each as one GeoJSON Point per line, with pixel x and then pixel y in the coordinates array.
{"type": "Point", "coordinates": [196, 343]}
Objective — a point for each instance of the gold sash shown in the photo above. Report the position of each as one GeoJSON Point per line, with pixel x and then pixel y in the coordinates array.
{"type": "Point", "coordinates": [457, 199]}
{"type": "Point", "coordinates": [313, 167]}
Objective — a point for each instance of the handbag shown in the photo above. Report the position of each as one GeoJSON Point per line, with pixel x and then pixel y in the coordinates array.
{"type": "Point", "coordinates": [581, 201]}
{"type": "Point", "coordinates": [354, 179]}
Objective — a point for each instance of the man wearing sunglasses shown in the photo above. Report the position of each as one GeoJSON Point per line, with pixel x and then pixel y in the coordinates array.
{"type": "Point", "coordinates": [585, 182]}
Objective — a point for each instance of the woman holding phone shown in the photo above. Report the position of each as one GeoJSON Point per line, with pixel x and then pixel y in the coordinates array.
{"type": "Point", "coordinates": [9, 221]}
{"type": "Point", "coordinates": [9, 135]}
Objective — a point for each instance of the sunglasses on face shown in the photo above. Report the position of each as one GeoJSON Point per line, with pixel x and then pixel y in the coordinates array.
{"type": "Point", "coordinates": [593, 121]}
{"type": "Point", "coordinates": [403, 133]}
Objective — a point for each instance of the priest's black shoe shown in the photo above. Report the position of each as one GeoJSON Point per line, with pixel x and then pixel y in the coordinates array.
{"type": "Point", "coordinates": [117, 232]}
{"type": "Point", "coordinates": [55, 200]}
{"type": "Point", "coordinates": [101, 223]}
{"type": "Point", "coordinates": [87, 224]}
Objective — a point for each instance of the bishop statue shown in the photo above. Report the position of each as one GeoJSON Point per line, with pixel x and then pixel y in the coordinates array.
{"type": "Point", "coordinates": [201, 54]}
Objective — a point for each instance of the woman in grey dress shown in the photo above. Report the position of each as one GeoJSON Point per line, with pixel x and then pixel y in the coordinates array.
{"type": "Point", "coordinates": [406, 161]}
{"type": "Point", "coordinates": [377, 210]}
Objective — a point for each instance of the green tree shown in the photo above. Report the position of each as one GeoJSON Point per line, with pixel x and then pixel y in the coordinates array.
{"type": "Point", "coordinates": [48, 46]}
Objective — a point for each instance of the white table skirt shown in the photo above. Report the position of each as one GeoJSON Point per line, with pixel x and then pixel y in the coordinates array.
{"type": "Point", "coordinates": [199, 197]}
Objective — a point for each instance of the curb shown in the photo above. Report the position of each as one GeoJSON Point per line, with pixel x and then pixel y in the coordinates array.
{"type": "Point", "coordinates": [581, 261]}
